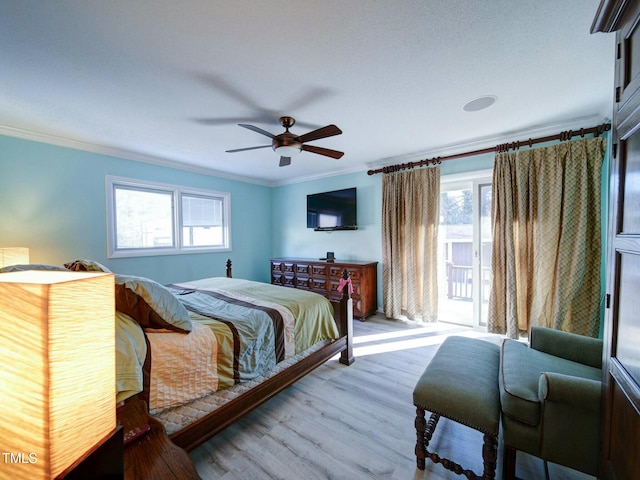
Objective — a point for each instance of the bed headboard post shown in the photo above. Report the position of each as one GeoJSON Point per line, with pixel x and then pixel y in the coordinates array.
{"type": "Point", "coordinates": [228, 268]}
{"type": "Point", "coordinates": [345, 319]}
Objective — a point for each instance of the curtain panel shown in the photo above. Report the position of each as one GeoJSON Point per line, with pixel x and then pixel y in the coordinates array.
{"type": "Point", "coordinates": [547, 239]}
{"type": "Point", "coordinates": [410, 218]}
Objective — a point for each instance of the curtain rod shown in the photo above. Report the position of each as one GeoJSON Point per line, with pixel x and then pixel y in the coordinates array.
{"type": "Point", "coordinates": [502, 147]}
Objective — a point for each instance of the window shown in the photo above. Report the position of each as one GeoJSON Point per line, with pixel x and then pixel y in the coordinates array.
{"type": "Point", "coordinates": [156, 219]}
{"type": "Point", "coordinates": [465, 241]}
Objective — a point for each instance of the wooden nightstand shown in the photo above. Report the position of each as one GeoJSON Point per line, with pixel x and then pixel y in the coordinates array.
{"type": "Point", "coordinates": [152, 456]}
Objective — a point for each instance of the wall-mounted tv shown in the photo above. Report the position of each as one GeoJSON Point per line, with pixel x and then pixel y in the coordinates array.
{"type": "Point", "coordinates": [336, 210]}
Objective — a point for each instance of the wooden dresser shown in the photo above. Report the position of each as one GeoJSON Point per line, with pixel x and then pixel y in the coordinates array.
{"type": "Point", "coordinates": [323, 277]}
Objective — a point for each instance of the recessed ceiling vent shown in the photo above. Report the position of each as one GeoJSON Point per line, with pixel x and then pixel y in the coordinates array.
{"type": "Point", "coordinates": [479, 103]}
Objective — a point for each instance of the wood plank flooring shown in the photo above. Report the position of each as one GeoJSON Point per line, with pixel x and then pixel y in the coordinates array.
{"type": "Point", "coordinates": [355, 422]}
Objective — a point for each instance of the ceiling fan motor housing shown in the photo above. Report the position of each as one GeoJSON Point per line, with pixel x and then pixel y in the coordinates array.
{"type": "Point", "coordinates": [286, 139]}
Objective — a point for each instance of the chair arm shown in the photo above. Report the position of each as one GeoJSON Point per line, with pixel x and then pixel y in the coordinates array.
{"type": "Point", "coordinates": [577, 392]}
{"type": "Point", "coordinates": [577, 348]}
{"type": "Point", "coordinates": [570, 423]}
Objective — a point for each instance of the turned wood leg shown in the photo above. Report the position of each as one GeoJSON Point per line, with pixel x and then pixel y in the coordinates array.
{"type": "Point", "coordinates": [345, 316]}
{"type": "Point", "coordinates": [509, 463]}
{"type": "Point", "coordinates": [421, 426]}
{"type": "Point", "coordinates": [489, 456]}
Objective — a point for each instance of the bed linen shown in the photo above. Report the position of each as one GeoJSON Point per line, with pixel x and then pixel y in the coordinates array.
{"type": "Point", "coordinates": [178, 418]}
{"type": "Point", "coordinates": [183, 367]}
{"type": "Point", "coordinates": [242, 331]}
{"type": "Point", "coordinates": [313, 313]}
{"type": "Point", "coordinates": [131, 350]}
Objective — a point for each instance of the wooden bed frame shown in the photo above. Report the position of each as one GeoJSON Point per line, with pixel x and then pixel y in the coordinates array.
{"type": "Point", "coordinates": [216, 421]}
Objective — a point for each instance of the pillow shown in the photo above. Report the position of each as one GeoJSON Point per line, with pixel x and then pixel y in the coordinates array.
{"type": "Point", "coordinates": [150, 304]}
{"type": "Point", "coordinates": [30, 266]}
{"type": "Point", "coordinates": [86, 266]}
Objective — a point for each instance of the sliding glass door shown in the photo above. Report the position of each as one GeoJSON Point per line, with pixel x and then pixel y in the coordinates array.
{"type": "Point", "coordinates": [464, 268]}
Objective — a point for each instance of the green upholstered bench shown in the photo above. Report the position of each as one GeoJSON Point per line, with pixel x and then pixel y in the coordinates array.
{"type": "Point", "coordinates": [461, 384]}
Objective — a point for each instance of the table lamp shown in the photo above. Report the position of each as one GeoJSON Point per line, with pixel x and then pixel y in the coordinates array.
{"type": "Point", "coordinates": [57, 370]}
{"type": "Point", "coordinates": [13, 256]}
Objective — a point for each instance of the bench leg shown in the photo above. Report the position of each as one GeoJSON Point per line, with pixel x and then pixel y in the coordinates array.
{"type": "Point", "coordinates": [420, 424]}
{"type": "Point", "coordinates": [489, 456]}
{"type": "Point", "coordinates": [424, 432]}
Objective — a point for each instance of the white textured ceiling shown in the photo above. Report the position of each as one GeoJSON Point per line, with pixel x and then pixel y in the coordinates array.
{"type": "Point", "coordinates": [168, 81]}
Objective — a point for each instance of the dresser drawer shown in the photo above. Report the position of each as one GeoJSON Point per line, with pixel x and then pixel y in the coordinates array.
{"type": "Point", "coordinates": [319, 270]}
{"type": "Point", "coordinates": [302, 269]}
{"type": "Point", "coordinates": [354, 273]}
{"type": "Point", "coordinates": [324, 277]}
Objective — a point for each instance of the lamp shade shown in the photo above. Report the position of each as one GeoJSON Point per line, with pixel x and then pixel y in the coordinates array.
{"type": "Point", "coordinates": [288, 150]}
{"type": "Point", "coordinates": [13, 256]}
{"type": "Point", "coordinates": [57, 369]}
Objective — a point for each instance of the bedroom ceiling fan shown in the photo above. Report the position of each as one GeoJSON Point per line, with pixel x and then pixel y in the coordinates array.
{"type": "Point", "coordinates": [288, 144]}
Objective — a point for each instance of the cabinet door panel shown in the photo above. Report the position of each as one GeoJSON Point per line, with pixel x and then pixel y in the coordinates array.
{"type": "Point", "coordinates": [631, 193]}
{"type": "Point", "coordinates": [625, 428]}
{"type": "Point", "coordinates": [621, 373]}
{"type": "Point", "coordinates": [627, 341]}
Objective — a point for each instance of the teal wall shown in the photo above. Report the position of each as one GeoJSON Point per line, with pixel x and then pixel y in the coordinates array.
{"type": "Point", "coordinates": [52, 200]}
{"type": "Point", "coordinates": [291, 238]}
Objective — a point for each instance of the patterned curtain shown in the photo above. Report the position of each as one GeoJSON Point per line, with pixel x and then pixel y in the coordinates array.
{"type": "Point", "coordinates": [410, 218]}
{"type": "Point", "coordinates": [546, 239]}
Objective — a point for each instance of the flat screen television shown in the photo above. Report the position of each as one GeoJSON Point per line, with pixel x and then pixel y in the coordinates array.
{"type": "Point", "coordinates": [336, 210]}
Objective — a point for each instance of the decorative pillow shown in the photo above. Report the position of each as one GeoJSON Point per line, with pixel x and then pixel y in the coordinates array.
{"type": "Point", "coordinates": [30, 266]}
{"type": "Point", "coordinates": [150, 304]}
{"type": "Point", "coordinates": [86, 266]}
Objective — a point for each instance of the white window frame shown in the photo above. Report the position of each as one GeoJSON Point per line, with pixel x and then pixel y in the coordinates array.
{"type": "Point", "coordinates": [176, 191]}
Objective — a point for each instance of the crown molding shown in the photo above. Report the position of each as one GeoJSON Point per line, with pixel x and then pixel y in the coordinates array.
{"type": "Point", "coordinates": [610, 15]}
{"type": "Point", "coordinates": [476, 144]}
{"type": "Point", "coordinates": [122, 153]}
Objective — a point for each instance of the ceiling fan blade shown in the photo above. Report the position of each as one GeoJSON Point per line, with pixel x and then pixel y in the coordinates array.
{"type": "Point", "coordinates": [257, 129]}
{"type": "Point", "coordinates": [248, 148]}
{"type": "Point", "coordinates": [230, 120]}
{"type": "Point", "coordinates": [264, 118]}
{"type": "Point", "coordinates": [229, 89]}
{"type": "Point", "coordinates": [284, 161]}
{"type": "Point", "coordinates": [324, 132]}
{"type": "Point", "coordinates": [323, 151]}
{"type": "Point", "coordinates": [312, 95]}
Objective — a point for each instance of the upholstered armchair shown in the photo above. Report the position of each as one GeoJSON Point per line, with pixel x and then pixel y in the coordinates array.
{"type": "Point", "coordinates": [550, 399]}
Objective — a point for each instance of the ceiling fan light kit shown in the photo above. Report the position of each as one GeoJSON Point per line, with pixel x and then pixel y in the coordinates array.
{"type": "Point", "coordinates": [288, 144]}
{"type": "Point", "coordinates": [288, 150]}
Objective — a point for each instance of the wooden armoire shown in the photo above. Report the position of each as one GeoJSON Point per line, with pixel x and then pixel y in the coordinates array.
{"type": "Point", "coordinates": [621, 367]}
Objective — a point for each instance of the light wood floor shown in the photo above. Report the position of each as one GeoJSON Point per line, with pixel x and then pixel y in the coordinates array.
{"type": "Point", "coordinates": [354, 422]}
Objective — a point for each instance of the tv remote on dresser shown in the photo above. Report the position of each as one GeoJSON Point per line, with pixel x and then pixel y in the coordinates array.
{"type": "Point", "coordinates": [136, 433]}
